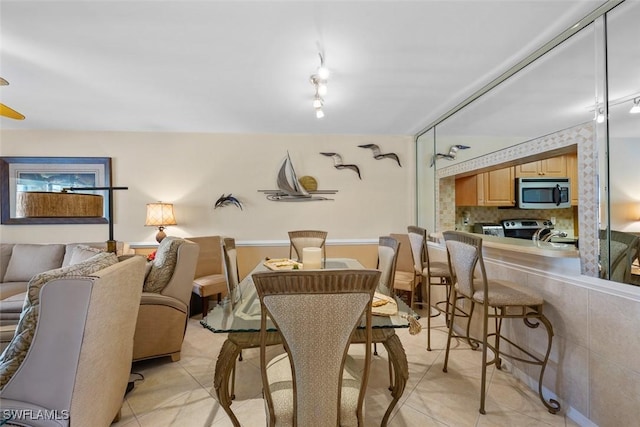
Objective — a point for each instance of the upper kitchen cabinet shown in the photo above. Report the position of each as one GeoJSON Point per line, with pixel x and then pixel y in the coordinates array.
{"type": "Point", "coordinates": [554, 167]}
{"type": "Point", "coordinates": [499, 187]}
{"type": "Point", "coordinates": [494, 188]}
{"type": "Point", "coordinates": [572, 173]}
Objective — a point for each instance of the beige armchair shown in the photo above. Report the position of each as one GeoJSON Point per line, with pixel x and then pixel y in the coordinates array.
{"type": "Point", "coordinates": [162, 319]}
{"type": "Point", "coordinates": [79, 359]}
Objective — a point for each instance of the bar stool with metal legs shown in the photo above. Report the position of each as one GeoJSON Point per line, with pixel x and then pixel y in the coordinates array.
{"type": "Point", "coordinates": [500, 299]}
{"type": "Point", "coordinates": [428, 271]}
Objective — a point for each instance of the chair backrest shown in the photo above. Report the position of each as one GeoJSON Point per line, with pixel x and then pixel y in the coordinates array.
{"type": "Point", "coordinates": [387, 260]}
{"type": "Point", "coordinates": [316, 312]}
{"type": "Point", "coordinates": [464, 252]}
{"type": "Point", "coordinates": [405, 254]}
{"type": "Point", "coordinates": [210, 259]}
{"type": "Point", "coordinates": [231, 268]}
{"type": "Point", "coordinates": [300, 239]}
{"type": "Point", "coordinates": [418, 239]}
{"type": "Point", "coordinates": [624, 248]}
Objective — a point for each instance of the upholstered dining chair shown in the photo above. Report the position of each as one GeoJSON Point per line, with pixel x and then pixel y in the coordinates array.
{"type": "Point", "coordinates": [405, 278]}
{"type": "Point", "coordinates": [431, 273]}
{"type": "Point", "coordinates": [617, 252]}
{"type": "Point", "coordinates": [315, 382]}
{"type": "Point", "coordinates": [500, 299]}
{"type": "Point", "coordinates": [209, 278]}
{"type": "Point", "coordinates": [300, 239]}
{"type": "Point", "coordinates": [230, 256]}
{"type": "Point", "coordinates": [387, 259]}
{"type": "Point", "coordinates": [231, 268]}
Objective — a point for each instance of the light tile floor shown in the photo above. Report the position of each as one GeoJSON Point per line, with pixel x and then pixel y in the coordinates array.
{"type": "Point", "coordinates": [181, 394]}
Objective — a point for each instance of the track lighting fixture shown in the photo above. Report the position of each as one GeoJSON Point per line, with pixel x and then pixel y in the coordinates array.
{"type": "Point", "coordinates": [319, 82]}
{"type": "Point", "coordinates": [636, 106]}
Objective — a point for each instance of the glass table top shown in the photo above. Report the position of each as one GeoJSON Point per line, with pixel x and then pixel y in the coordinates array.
{"type": "Point", "coordinates": [245, 315]}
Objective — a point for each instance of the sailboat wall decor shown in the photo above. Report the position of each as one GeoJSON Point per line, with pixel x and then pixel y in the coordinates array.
{"type": "Point", "coordinates": [290, 189]}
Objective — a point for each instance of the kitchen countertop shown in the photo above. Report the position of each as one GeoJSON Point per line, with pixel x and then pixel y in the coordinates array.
{"type": "Point", "coordinates": [522, 246]}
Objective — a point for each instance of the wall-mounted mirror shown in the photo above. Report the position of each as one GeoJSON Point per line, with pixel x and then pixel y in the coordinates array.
{"type": "Point", "coordinates": [623, 68]}
{"type": "Point", "coordinates": [547, 110]}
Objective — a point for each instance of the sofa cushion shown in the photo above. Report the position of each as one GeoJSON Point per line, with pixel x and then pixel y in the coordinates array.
{"type": "Point", "coordinates": [163, 264]}
{"type": "Point", "coordinates": [17, 349]}
{"type": "Point", "coordinates": [27, 260]}
{"type": "Point", "coordinates": [81, 253]}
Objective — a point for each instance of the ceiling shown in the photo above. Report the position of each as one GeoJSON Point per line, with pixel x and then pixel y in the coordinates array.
{"type": "Point", "coordinates": [244, 66]}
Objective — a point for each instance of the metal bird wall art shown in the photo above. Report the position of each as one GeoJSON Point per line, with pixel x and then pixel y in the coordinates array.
{"type": "Point", "coordinates": [338, 164]}
{"type": "Point", "coordinates": [451, 155]}
{"type": "Point", "coordinates": [226, 201]}
{"type": "Point", "coordinates": [378, 155]}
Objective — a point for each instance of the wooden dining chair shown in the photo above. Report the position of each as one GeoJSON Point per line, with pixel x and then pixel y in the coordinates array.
{"type": "Point", "coordinates": [300, 239]}
{"type": "Point", "coordinates": [315, 382]}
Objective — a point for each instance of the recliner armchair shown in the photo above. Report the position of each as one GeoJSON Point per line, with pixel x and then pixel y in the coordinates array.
{"type": "Point", "coordinates": [163, 315]}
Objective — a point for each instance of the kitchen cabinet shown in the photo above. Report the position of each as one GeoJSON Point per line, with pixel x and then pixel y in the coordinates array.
{"type": "Point", "coordinates": [467, 191]}
{"type": "Point", "coordinates": [554, 167]}
{"type": "Point", "coordinates": [494, 188]}
{"type": "Point", "coordinates": [572, 173]}
{"type": "Point", "coordinates": [499, 187]}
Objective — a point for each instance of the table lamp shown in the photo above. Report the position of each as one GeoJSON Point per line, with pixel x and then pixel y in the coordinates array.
{"type": "Point", "coordinates": [160, 215]}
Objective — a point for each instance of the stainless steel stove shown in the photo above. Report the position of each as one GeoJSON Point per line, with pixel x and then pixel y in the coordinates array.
{"type": "Point", "coordinates": [525, 228]}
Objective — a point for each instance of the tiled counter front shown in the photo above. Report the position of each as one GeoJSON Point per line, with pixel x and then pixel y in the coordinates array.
{"type": "Point", "coordinates": [594, 368]}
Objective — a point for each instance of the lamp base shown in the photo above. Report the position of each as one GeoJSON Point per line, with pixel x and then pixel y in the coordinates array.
{"type": "Point", "coordinates": [161, 234]}
{"type": "Point", "coordinates": [112, 246]}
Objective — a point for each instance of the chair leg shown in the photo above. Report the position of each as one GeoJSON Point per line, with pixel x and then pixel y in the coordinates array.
{"type": "Point", "coordinates": [375, 349]}
{"type": "Point", "coordinates": [428, 292]}
{"type": "Point", "coordinates": [483, 380]}
{"type": "Point", "coordinates": [553, 406]}
{"type": "Point", "coordinates": [205, 306]}
{"type": "Point", "coordinates": [449, 334]}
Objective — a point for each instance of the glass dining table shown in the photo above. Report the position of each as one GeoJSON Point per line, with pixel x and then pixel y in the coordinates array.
{"type": "Point", "coordinates": [241, 321]}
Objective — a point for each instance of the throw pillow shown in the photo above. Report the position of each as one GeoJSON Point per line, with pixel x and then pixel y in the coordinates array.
{"type": "Point", "coordinates": [18, 348]}
{"type": "Point", "coordinates": [82, 253]}
{"type": "Point", "coordinates": [163, 264]}
{"type": "Point", "coordinates": [27, 260]}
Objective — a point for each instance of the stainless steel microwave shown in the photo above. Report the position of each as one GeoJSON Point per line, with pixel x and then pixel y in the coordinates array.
{"type": "Point", "coordinates": [543, 193]}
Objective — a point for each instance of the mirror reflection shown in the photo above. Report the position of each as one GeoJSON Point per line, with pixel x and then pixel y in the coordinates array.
{"type": "Point", "coordinates": [620, 237]}
{"type": "Point", "coordinates": [537, 124]}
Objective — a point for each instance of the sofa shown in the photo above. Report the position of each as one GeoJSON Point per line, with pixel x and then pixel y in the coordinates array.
{"type": "Point", "coordinates": [70, 359]}
{"type": "Point", "coordinates": [19, 262]}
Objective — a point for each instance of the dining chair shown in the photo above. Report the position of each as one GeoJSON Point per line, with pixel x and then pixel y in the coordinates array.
{"type": "Point", "coordinates": [315, 382]}
{"type": "Point", "coordinates": [230, 256]}
{"type": "Point", "coordinates": [500, 299]}
{"type": "Point", "coordinates": [387, 260]}
{"type": "Point", "coordinates": [300, 239]}
{"type": "Point", "coordinates": [209, 279]}
{"type": "Point", "coordinates": [428, 271]}
{"type": "Point", "coordinates": [405, 279]}
{"type": "Point", "coordinates": [231, 269]}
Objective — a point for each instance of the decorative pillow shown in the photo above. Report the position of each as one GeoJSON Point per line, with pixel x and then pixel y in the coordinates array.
{"type": "Point", "coordinates": [27, 260]}
{"type": "Point", "coordinates": [163, 265]}
{"type": "Point", "coordinates": [82, 253]}
{"type": "Point", "coordinates": [17, 349]}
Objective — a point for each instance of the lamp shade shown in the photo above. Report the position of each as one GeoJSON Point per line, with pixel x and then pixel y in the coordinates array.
{"type": "Point", "coordinates": [160, 214]}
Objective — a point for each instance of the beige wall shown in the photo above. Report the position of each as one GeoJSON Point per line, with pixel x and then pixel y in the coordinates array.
{"type": "Point", "coordinates": [193, 170]}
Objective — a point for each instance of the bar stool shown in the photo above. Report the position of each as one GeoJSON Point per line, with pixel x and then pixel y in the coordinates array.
{"type": "Point", "coordinates": [428, 272]}
{"type": "Point", "coordinates": [506, 301]}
